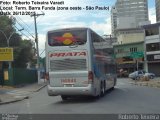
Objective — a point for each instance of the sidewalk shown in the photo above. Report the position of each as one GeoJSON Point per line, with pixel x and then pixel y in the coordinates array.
{"type": "Point", "coordinates": [151, 83]}
{"type": "Point", "coordinates": [11, 94]}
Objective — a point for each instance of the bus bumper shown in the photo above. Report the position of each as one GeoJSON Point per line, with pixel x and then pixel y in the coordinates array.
{"type": "Point", "coordinates": [54, 91]}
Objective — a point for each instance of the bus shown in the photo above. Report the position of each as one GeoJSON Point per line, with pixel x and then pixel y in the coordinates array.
{"type": "Point", "coordinates": [77, 64]}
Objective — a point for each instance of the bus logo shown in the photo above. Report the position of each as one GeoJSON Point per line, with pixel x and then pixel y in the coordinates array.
{"type": "Point", "coordinates": [66, 39]}
{"type": "Point", "coordinates": [68, 54]}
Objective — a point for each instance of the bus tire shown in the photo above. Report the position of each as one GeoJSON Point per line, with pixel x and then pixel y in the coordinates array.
{"type": "Point", "coordinates": [115, 81]}
{"type": "Point", "coordinates": [102, 89]}
{"type": "Point", "coordinates": [112, 88]}
{"type": "Point", "coordinates": [105, 87]}
{"type": "Point", "coordinates": [64, 97]}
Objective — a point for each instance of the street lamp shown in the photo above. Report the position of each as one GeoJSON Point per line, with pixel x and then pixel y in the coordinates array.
{"type": "Point", "coordinates": [4, 34]}
{"type": "Point", "coordinates": [9, 39]}
{"type": "Point", "coordinates": [10, 35]}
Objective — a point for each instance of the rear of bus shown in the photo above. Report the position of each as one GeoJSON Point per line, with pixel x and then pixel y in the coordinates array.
{"type": "Point", "coordinates": [68, 62]}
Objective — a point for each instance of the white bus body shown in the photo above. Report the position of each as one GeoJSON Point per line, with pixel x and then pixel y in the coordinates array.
{"type": "Point", "coordinates": [74, 66]}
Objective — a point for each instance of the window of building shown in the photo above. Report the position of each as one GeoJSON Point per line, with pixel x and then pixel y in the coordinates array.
{"type": "Point", "coordinates": [153, 47]}
{"type": "Point", "coordinates": [133, 49]}
{"type": "Point", "coordinates": [155, 57]}
{"type": "Point", "coordinates": [152, 31]}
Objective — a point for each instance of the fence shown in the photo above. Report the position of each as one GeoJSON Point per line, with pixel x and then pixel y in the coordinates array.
{"type": "Point", "coordinates": [19, 76]}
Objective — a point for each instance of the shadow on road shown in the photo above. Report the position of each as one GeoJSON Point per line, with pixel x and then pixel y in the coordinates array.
{"type": "Point", "coordinates": [78, 99]}
{"type": "Point", "coordinates": [110, 95]}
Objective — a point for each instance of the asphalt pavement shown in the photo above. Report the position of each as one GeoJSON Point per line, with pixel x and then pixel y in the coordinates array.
{"type": "Point", "coordinates": [9, 94]}
{"type": "Point", "coordinates": [125, 98]}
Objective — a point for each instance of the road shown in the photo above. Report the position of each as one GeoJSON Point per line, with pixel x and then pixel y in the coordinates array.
{"type": "Point", "coordinates": [125, 98]}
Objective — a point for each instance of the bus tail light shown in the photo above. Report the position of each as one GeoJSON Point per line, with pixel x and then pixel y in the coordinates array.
{"type": "Point", "coordinates": [90, 77]}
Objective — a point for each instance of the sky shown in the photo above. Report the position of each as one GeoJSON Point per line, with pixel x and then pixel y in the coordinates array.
{"type": "Point", "coordinates": [98, 20]}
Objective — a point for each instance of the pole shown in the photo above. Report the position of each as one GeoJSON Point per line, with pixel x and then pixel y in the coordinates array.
{"type": "Point", "coordinates": [10, 62]}
{"type": "Point", "coordinates": [137, 63]}
{"type": "Point", "coordinates": [36, 35]}
{"type": "Point", "coordinates": [36, 41]}
{"type": "Point", "coordinates": [145, 53]}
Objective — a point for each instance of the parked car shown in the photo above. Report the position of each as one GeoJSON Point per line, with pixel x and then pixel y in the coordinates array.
{"type": "Point", "coordinates": [150, 75]}
{"type": "Point", "coordinates": [138, 74]}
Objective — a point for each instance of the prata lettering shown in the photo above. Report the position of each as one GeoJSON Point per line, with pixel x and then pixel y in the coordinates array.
{"type": "Point", "coordinates": [68, 54]}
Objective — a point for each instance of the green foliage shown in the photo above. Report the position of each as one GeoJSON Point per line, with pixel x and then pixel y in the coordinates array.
{"type": "Point", "coordinates": [6, 30]}
{"type": "Point", "coordinates": [22, 48]}
{"type": "Point", "coordinates": [23, 54]}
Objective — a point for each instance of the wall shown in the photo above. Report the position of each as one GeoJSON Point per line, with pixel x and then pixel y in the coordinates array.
{"type": "Point", "coordinates": [126, 22]}
{"type": "Point", "coordinates": [130, 37]}
{"type": "Point", "coordinates": [124, 49]}
{"type": "Point", "coordinates": [18, 76]}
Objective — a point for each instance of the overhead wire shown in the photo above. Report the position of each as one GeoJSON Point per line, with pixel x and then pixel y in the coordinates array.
{"type": "Point", "coordinates": [22, 33]}
{"type": "Point", "coordinates": [24, 28]}
{"type": "Point", "coordinates": [42, 52]}
{"type": "Point", "coordinates": [21, 26]}
{"type": "Point", "coordinates": [24, 23]}
{"type": "Point", "coordinates": [27, 28]}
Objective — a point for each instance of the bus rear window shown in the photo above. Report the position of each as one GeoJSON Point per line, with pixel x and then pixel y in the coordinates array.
{"type": "Point", "coordinates": [67, 38]}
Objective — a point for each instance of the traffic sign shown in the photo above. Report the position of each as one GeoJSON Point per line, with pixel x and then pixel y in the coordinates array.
{"type": "Point", "coordinates": [137, 54]}
{"type": "Point", "coordinates": [6, 54]}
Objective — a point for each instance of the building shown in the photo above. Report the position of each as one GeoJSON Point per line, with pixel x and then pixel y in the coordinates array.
{"type": "Point", "coordinates": [129, 50]}
{"type": "Point", "coordinates": [152, 46]}
{"type": "Point", "coordinates": [113, 20]}
{"type": "Point", "coordinates": [157, 10]}
{"type": "Point", "coordinates": [137, 10]}
{"type": "Point", "coordinates": [129, 14]}
{"type": "Point", "coordinates": [129, 56]}
{"type": "Point", "coordinates": [130, 35]}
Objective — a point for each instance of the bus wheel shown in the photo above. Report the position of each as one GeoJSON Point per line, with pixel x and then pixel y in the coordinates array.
{"type": "Point", "coordinates": [64, 97]}
{"type": "Point", "coordinates": [112, 88]}
{"type": "Point", "coordinates": [102, 89]}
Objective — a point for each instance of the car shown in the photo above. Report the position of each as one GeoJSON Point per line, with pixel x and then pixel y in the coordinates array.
{"type": "Point", "coordinates": [150, 75]}
{"type": "Point", "coordinates": [138, 74]}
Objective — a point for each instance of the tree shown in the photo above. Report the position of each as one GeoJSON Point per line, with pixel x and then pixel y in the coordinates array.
{"type": "Point", "coordinates": [23, 54]}
{"type": "Point", "coordinates": [22, 48]}
{"type": "Point", "coordinates": [7, 30]}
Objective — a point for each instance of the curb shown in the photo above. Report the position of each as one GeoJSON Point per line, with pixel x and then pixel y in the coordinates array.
{"type": "Point", "coordinates": [40, 88]}
{"type": "Point", "coordinates": [147, 85]}
{"type": "Point", "coordinates": [15, 100]}
{"type": "Point", "coordinates": [9, 87]}
{"type": "Point", "coordinates": [20, 99]}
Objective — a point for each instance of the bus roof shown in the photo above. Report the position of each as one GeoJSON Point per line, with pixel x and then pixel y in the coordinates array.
{"type": "Point", "coordinates": [71, 28]}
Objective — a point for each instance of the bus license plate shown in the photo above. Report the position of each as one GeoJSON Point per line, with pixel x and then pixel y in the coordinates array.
{"type": "Point", "coordinates": [68, 81]}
